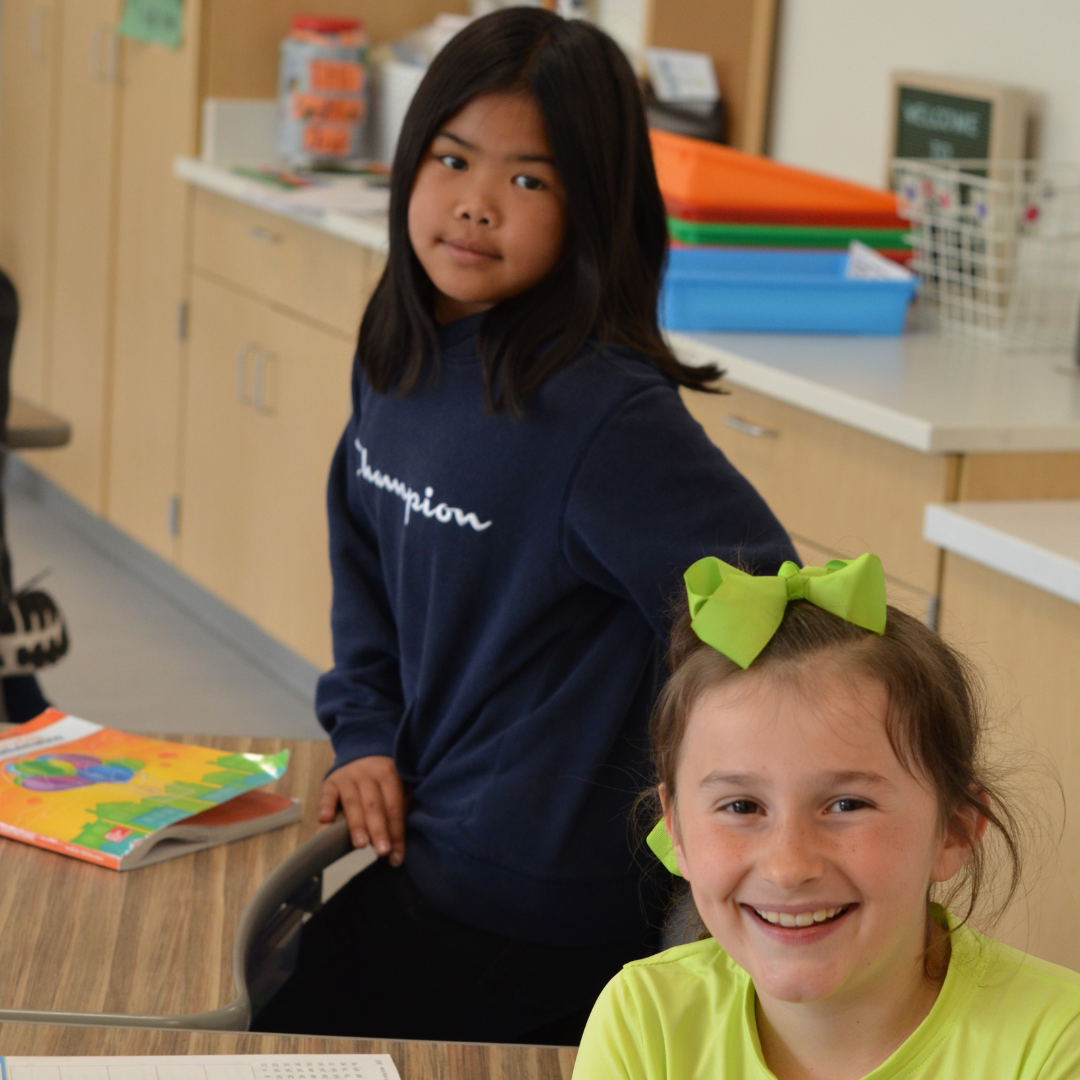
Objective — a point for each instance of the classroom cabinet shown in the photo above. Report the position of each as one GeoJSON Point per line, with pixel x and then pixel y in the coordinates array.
{"type": "Point", "coordinates": [1025, 642]}
{"type": "Point", "coordinates": [29, 66]}
{"type": "Point", "coordinates": [840, 491]}
{"type": "Point", "coordinates": [95, 230]}
{"type": "Point", "coordinates": [83, 245]}
{"type": "Point", "coordinates": [267, 400]}
{"type": "Point", "coordinates": [317, 276]}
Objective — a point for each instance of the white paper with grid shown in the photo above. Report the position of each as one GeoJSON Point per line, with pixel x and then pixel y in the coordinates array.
{"type": "Point", "coordinates": [215, 1067]}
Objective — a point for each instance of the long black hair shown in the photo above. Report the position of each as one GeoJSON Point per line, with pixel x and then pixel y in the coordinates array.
{"type": "Point", "coordinates": [606, 283]}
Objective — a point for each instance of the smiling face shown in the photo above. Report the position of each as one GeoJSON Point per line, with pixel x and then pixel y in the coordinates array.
{"type": "Point", "coordinates": [487, 214]}
{"type": "Point", "coordinates": [808, 846]}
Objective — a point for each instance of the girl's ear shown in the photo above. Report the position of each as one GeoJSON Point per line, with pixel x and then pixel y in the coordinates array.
{"type": "Point", "coordinates": [965, 829]}
{"type": "Point", "coordinates": [670, 824]}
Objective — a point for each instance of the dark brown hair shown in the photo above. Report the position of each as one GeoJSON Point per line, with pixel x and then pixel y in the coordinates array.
{"type": "Point", "coordinates": [934, 719]}
{"type": "Point", "coordinates": [606, 283]}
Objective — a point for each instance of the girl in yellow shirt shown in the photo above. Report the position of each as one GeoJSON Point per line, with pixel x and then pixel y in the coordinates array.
{"type": "Point", "coordinates": [820, 772]}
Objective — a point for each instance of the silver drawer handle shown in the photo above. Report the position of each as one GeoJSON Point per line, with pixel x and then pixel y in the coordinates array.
{"type": "Point", "coordinates": [97, 51]}
{"type": "Point", "coordinates": [265, 236]}
{"type": "Point", "coordinates": [258, 394]}
{"type": "Point", "coordinates": [737, 423]}
{"type": "Point", "coordinates": [112, 64]}
{"type": "Point", "coordinates": [242, 354]}
{"type": "Point", "coordinates": [38, 17]}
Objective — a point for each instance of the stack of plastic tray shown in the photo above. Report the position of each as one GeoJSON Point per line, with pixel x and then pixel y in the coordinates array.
{"type": "Point", "coordinates": [778, 291]}
{"type": "Point", "coordinates": [761, 246]}
{"type": "Point", "coordinates": [720, 197]}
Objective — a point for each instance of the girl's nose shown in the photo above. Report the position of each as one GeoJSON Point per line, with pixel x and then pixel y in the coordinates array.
{"type": "Point", "coordinates": [477, 209]}
{"type": "Point", "coordinates": [792, 857]}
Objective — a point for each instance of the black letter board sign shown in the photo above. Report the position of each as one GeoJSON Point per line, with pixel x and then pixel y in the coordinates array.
{"type": "Point", "coordinates": [938, 117]}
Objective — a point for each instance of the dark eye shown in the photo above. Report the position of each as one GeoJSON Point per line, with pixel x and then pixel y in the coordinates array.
{"type": "Point", "coordinates": [742, 806]}
{"type": "Point", "coordinates": [529, 183]}
{"type": "Point", "coordinates": [846, 806]}
{"type": "Point", "coordinates": [452, 161]}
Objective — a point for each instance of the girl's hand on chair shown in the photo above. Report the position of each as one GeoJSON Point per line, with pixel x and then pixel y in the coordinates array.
{"type": "Point", "coordinates": [373, 798]}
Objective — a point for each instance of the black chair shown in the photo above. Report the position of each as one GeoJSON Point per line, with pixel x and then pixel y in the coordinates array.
{"type": "Point", "coordinates": [32, 630]}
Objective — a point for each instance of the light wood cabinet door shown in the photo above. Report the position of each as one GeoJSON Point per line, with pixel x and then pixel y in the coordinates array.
{"type": "Point", "coordinates": [80, 316]}
{"type": "Point", "coordinates": [267, 400]}
{"type": "Point", "coordinates": [29, 47]}
{"type": "Point", "coordinates": [842, 490]}
{"type": "Point", "coordinates": [158, 122]}
{"type": "Point", "coordinates": [1026, 642]}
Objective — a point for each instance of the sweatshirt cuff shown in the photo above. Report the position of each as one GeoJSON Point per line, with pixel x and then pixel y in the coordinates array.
{"type": "Point", "coordinates": [362, 737]}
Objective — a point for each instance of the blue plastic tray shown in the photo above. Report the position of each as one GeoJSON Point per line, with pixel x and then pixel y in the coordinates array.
{"type": "Point", "coordinates": [777, 291]}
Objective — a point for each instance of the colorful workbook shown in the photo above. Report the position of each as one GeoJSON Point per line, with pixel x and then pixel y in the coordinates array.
{"type": "Point", "coordinates": [123, 800]}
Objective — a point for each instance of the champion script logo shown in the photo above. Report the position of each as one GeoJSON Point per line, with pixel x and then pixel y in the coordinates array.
{"type": "Point", "coordinates": [412, 499]}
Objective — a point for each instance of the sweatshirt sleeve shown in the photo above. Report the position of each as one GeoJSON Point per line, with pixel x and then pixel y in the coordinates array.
{"type": "Point", "coordinates": [651, 495]}
{"type": "Point", "coordinates": [359, 702]}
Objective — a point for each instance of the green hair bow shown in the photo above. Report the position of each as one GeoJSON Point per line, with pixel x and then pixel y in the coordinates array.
{"type": "Point", "coordinates": [737, 613]}
{"type": "Point", "coordinates": [660, 843]}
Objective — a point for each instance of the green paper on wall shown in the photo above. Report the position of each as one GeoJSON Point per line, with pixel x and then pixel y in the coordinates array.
{"type": "Point", "coordinates": [154, 20]}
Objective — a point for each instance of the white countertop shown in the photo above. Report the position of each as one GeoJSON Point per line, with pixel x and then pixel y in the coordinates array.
{"type": "Point", "coordinates": [368, 230]}
{"type": "Point", "coordinates": [922, 390]}
{"type": "Point", "coordinates": [1036, 542]}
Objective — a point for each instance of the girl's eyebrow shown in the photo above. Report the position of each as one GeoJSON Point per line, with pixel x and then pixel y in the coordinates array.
{"type": "Point", "coordinates": [466, 145]}
{"type": "Point", "coordinates": [745, 779]}
{"type": "Point", "coordinates": [455, 138]}
{"type": "Point", "coordinates": [734, 779]}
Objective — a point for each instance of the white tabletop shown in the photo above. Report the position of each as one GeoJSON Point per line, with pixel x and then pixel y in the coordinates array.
{"type": "Point", "coordinates": [1037, 542]}
{"type": "Point", "coordinates": [926, 391]}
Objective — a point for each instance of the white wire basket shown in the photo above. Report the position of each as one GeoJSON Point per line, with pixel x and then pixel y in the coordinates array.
{"type": "Point", "coordinates": [996, 246]}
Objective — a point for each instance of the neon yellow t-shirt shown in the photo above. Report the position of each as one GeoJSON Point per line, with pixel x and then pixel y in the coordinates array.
{"type": "Point", "coordinates": [688, 1014]}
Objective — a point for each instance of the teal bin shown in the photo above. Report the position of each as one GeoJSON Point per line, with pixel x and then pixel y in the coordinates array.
{"type": "Point", "coordinates": [798, 292]}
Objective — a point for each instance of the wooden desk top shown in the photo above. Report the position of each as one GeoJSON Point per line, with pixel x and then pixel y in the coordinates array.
{"type": "Point", "coordinates": [31, 427]}
{"type": "Point", "coordinates": [155, 941]}
{"type": "Point", "coordinates": [414, 1060]}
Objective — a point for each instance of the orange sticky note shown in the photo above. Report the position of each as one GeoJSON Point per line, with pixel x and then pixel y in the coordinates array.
{"type": "Point", "coordinates": [341, 75]}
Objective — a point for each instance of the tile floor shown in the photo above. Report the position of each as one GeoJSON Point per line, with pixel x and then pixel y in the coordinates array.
{"type": "Point", "coordinates": [138, 661]}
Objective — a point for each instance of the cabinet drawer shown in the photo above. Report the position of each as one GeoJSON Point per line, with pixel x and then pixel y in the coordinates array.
{"type": "Point", "coordinates": [293, 265]}
{"type": "Point", "coordinates": [843, 490]}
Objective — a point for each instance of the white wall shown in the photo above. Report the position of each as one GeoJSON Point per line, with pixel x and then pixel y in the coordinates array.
{"type": "Point", "coordinates": [834, 57]}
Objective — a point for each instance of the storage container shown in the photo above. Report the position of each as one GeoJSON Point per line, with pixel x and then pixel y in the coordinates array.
{"type": "Point", "coordinates": [997, 246]}
{"type": "Point", "coordinates": [741, 234]}
{"type": "Point", "coordinates": [702, 181]}
{"type": "Point", "coordinates": [777, 291]}
{"type": "Point", "coordinates": [322, 91]}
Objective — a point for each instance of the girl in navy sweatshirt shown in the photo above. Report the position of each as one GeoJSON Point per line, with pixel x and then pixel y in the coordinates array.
{"type": "Point", "coordinates": [510, 507]}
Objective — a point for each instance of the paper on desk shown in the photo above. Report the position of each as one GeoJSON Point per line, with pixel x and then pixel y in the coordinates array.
{"type": "Point", "coordinates": [865, 264]}
{"type": "Point", "coordinates": [215, 1067]}
{"type": "Point", "coordinates": [680, 76]}
{"type": "Point", "coordinates": [346, 196]}
{"type": "Point", "coordinates": [339, 194]}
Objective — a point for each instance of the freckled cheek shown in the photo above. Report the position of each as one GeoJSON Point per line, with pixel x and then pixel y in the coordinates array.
{"type": "Point", "coordinates": [716, 860]}
{"type": "Point", "coordinates": [884, 863]}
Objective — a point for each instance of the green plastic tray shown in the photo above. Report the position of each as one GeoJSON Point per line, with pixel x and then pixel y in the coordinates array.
{"type": "Point", "coordinates": [789, 236]}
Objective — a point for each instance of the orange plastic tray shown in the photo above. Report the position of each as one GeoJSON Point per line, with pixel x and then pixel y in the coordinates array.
{"type": "Point", "coordinates": [703, 181]}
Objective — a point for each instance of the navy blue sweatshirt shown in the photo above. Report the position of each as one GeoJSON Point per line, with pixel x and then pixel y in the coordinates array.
{"type": "Point", "coordinates": [502, 590]}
